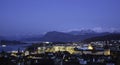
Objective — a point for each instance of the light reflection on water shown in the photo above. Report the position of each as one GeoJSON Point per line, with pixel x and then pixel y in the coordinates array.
{"type": "Point", "coordinates": [14, 47]}
{"type": "Point", "coordinates": [19, 46]}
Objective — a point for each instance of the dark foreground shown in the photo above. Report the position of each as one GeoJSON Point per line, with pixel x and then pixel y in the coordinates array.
{"type": "Point", "coordinates": [59, 58]}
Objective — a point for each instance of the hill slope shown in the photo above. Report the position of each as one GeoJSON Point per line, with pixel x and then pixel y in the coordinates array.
{"type": "Point", "coordinates": [113, 36]}
{"type": "Point", "coordinates": [66, 37]}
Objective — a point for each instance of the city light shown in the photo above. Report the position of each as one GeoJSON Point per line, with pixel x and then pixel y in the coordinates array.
{"type": "Point", "coordinates": [90, 47]}
{"type": "Point", "coordinates": [3, 45]}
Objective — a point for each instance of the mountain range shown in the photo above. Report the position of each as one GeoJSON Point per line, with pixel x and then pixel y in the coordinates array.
{"type": "Point", "coordinates": [55, 36]}
{"type": "Point", "coordinates": [72, 36]}
{"type": "Point", "coordinates": [112, 36]}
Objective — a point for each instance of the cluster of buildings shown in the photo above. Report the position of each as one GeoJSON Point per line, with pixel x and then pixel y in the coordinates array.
{"type": "Point", "coordinates": [72, 48]}
{"type": "Point", "coordinates": [93, 53]}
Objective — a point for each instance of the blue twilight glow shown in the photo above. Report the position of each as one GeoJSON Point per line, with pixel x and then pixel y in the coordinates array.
{"type": "Point", "coordinates": [39, 16]}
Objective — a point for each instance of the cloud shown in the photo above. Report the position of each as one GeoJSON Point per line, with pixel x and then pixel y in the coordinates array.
{"type": "Point", "coordinates": [110, 29]}
{"type": "Point", "coordinates": [96, 29]}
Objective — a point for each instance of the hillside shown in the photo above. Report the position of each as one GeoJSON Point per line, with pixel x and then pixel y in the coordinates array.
{"type": "Point", "coordinates": [66, 37]}
{"type": "Point", "coordinates": [113, 36]}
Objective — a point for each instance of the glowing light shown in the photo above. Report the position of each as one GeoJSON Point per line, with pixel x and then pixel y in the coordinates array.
{"type": "Point", "coordinates": [3, 45]}
{"type": "Point", "coordinates": [26, 53]}
{"type": "Point", "coordinates": [13, 54]}
{"type": "Point", "coordinates": [47, 42]}
{"type": "Point", "coordinates": [70, 49]}
{"type": "Point", "coordinates": [107, 52]}
{"type": "Point", "coordinates": [90, 47]}
{"type": "Point", "coordinates": [14, 51]}
{"type": "Point", "coordinates": [39, 48]}
{"type": "Point", "coordinates": [66, 60]}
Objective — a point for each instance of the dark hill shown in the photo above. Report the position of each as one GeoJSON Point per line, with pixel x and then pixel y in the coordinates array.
{"type": "Point", "coordinates": [57, 37]}
{"type": "Point", "coordinates": [66, 37]}
{"type": "Point", "coordinates": [113, 36]}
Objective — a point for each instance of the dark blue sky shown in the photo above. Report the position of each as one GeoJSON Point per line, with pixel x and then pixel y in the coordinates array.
{"type": "Point", "coordinates": [38, 16]}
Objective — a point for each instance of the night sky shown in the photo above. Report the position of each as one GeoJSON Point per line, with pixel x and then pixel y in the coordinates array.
{"type": "Point", "coordinates": [18, 17]}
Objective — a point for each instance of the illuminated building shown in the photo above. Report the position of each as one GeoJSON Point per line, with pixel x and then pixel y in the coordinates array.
{"type": "Point", "coordinates": [57, 48]}
{"type": "Point", "coordinates": [90, 47]}
{"type": "Point", "coordinates": [107, 52]}
{"type": "Point", "coordinates": [26, 53]}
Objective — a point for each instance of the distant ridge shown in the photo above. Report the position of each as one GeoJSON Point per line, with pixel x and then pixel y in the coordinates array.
{"type": "Point", "coordinates": [55, 36]}
{"type": "Point", "coordinates": [82, 32]}
{"type": "Point", "coordinates": [73, 36]}
{"type": "Point", "coordinates": [112, 36]}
